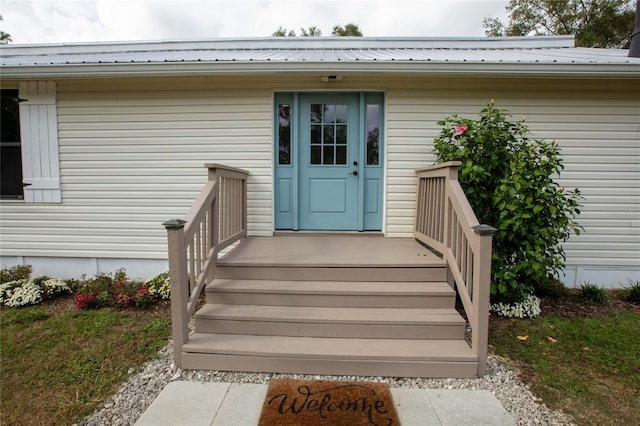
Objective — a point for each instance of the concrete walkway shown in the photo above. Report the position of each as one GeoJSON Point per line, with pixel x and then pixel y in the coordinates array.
{"type": "Point", "coordinates": [236, 404]}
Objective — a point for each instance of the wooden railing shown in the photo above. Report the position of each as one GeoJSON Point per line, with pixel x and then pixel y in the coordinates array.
{"type": "Point", "coordinates": [446, 223]}
{"type": "Point", "coordinates": [217, 219]}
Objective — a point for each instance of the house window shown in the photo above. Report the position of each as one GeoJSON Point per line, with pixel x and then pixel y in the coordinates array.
{"type": "Point", "coordinates": [10, 149]}
{"type": "Point", "coordinates": [328, 134]}
{"type": "Point", "coordinates": [373, 134]}
{"type": "Point", "coordinates": [284, 134]}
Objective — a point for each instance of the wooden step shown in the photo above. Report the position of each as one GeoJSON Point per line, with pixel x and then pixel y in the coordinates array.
{"type": "Point", "coordinates": [339, 356]}
{"type": "Point", "coordinates": [331, 273]}
{"type": "Point", "coordinates": [368, 323]}
{"type": "Point", "coordinates": [375, 294]}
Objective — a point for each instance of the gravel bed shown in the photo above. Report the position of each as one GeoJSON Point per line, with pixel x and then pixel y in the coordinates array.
{"type": "Point", "coordinates": [137, 393]}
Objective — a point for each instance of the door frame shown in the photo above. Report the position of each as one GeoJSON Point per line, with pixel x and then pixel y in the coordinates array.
{"type": "Point", "coordinates": [286, 176]}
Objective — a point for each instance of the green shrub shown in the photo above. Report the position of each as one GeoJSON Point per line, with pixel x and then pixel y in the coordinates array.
{"type": "Point", "coordinates": [593, 294]}
{"type": "Point", "coordinates": [15, 273]}
{"type": "Point", "coordinates": [508, 178]}
{"type": "Point", "coordinates": [553, 287]}
{"type": "Point", "coordinates": [108, 290]}
{"type": "Point", "coordinates": [113, 290]}
{"type": "Point", "coordinates": [632, 293]}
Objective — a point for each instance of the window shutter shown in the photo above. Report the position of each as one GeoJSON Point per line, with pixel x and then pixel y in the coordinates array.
{"type": "Point", "coordinates": [39, 133]}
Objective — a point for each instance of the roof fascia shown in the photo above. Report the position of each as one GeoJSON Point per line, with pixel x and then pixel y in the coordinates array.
{"type": "Point", "coordinates": [254, 68]}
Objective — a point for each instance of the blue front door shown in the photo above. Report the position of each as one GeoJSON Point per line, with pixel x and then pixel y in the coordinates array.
{"type": "Point", "coordinates": [328, 141]}
{"type": "Point", "coordinates": [328, 161]}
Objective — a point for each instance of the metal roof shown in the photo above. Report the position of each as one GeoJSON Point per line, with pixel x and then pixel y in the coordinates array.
{"type": "Point", "coordinates": [503, 55]}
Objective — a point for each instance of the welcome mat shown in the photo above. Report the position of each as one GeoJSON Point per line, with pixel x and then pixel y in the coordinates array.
{"type": "Point", "coordinates": [292, 402]}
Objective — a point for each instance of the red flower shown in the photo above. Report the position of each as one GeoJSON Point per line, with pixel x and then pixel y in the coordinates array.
{"type": "Point", "coordinates": [84, 301]}
{"type": "Point", "coordinates": [460, 130]}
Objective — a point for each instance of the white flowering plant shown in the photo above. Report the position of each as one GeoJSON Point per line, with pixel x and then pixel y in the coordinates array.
{"type": "Point", "coordinates": [26, 294]}
{"type": "Point", "coordinates": [51, 286]}
{"type": "Point", "coordinates": [159, 286]}
{"type": "Point", "coordinates": [27, 291]}
{"type": "Point", "coordinates": [528, 308]}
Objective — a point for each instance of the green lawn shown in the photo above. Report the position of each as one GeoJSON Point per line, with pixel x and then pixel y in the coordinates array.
{"type": "Point", "coordinates": [591, 371]}
{"type": "Point", "coordinates": [59, 364]}
{"type": "Point", "coordinates": [67, 362]}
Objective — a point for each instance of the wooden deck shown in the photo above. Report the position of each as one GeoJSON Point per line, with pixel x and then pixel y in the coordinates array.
{"type": "Point", "coordinates": [331, 251]}
{"type": "Point", "coordinates": [331, 304]}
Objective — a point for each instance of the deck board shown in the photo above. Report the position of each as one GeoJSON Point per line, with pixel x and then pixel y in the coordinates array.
{"type": "Point", "coordinates": [331, 348]}
{"type": "Point", "coordinates": [338, 315]}
{"type": "Point", "coordinates": [334, 251]}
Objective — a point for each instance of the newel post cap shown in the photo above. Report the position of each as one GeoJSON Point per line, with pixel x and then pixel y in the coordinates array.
{"type": "Point", "coordinates": [174, 224]}
{"type": "Point", "coordinates": [484, 229]}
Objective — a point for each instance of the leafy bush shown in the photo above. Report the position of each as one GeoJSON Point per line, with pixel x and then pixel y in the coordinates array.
{"type": "Point", "coordinates": [552, 288]}
{"type": "Point", "coordinates": [632, 293]}
{"type": "Point", "coordinates": [114, 290]}
{"type": "Point", "coordinates": [15, 273]}
{"type": "Point", "coordinates": [593, 294]}
{"type": "Point", "coordinates": [508, 178]}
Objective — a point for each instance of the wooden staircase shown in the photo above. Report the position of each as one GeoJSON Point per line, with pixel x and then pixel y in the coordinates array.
{"type": "Point", "coordinates": [334, 304]}
{"type": "Point", "coordinates": [343, 305]}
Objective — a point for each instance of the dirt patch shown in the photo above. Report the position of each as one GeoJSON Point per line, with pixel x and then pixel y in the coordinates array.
{"type": "Point", "coordinates": [64, 304]}
{"type": "Point", "coordinates": [574, 306]}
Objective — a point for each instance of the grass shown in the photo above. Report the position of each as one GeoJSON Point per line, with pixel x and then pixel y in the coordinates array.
{"type": "Point", "coordinates": [67, 362]}
{"type": "Point", "coordinates": [591, 371]}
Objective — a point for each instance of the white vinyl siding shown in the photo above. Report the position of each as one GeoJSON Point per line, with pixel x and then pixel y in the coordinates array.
{"type": "Point", "coordinates": [598, 132]}
{"type": "Point", "coordinates": [132, 159]}
{"type": "Point", "coordinates": [39, 137]}
{"type": "Point", "coordinates": [132, 153]}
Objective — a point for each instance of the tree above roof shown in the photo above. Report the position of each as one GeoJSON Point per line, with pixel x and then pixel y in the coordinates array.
{"type": "Point", "coordinates": [349, 30]}
{"type": "Point", "coordinates": [595, 23]}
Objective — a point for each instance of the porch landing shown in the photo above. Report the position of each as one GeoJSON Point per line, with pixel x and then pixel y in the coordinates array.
{"type": "Point", "coordinates": [331, 250]}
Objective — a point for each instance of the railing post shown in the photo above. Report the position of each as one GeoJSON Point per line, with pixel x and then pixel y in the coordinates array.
{"type": "Point", "coordinates": [451, 174]}
{"type": "Point", "coordinates": [215, 208]}
{"type": "Point", "coordinates": [481, 296]}
{"type": "Point", "coordinates": [244, 206]}
{"type": "Point", "coordinates": [179, 288]}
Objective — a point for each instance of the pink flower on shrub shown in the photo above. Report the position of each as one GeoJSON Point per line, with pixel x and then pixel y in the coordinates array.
{"type": "Point", "coordinates": [460, 130]}
{"type": "Point", "coordinates": [144, 291]}
{"type": "Point", "coordinates": [122, 299]}
{"type": "Point", "coordinates": [142, 297]}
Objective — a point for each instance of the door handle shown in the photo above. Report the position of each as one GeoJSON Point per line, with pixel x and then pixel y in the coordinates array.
{"type": "Point", "coordinates": [355, 173]}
